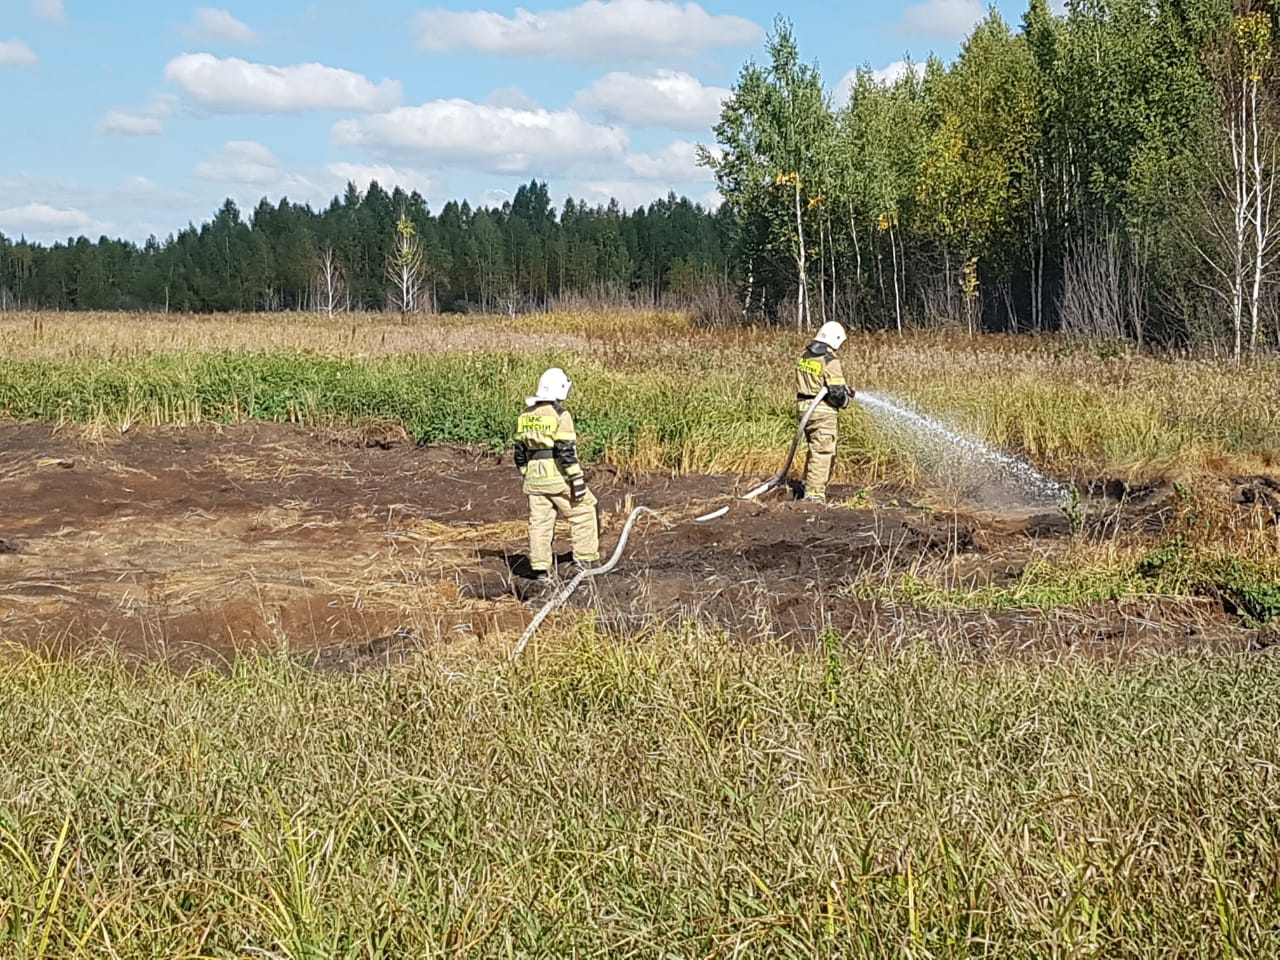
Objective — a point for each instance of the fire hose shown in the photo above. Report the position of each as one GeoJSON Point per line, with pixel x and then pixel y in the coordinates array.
{"type": "Point", "coordinates": [781, 475]}
{"type": "Point", "coordinates": [562, 596]}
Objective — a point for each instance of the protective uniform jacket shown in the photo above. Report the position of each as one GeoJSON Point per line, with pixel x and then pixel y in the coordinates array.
{"type": "Point", "coordinates": [818, 368]}
{"type": "Point", "coordinates": [546, 449]}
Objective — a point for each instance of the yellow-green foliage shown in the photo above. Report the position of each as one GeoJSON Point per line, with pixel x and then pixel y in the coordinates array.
{"type": "Point", "coordinates": [671, 797]}
{"type": "Point", "coordinates": [1208, 547]}
{"type": "Point", "coordinates": [652, 390]}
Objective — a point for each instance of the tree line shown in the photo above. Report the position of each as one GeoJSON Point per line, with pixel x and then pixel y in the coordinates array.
{"type": "Point", "coordinates": [378, 249]}
{"type": "Point", "coordinates": [1109, 171]}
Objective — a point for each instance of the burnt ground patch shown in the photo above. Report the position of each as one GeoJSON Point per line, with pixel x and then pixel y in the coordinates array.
{"type": "Point", "coordinates": [350, 549]}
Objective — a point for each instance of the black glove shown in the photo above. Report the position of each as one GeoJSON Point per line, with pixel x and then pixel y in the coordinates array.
{"type": "Point", "coordinates": [838, 396]}
{"type": "Point", "coordinates": [577, 487]}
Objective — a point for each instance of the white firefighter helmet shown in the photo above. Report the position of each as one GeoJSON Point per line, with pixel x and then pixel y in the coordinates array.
{"type": "Point", "coordinates": [553, 386]}
{"type": "Point", "coordinates": [832, 334]}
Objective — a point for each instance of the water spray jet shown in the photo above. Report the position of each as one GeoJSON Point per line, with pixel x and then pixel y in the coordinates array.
{"type": "Point", "coordinates": [922, 430]}
{"type": "Point", "coordinates": [919, 424]}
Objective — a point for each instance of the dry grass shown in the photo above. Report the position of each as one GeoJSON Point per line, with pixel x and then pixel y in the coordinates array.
{"type": "Point", "coordinates": [673, 798]}
{"type": "Point", "coordinates": [673, 795]}
{"type": "Point", "coordinates": [107, 335]}
{"type": "Point", "coordinates": [656, 391]}
{"type": "Point", "coordinates": [1206, 546]}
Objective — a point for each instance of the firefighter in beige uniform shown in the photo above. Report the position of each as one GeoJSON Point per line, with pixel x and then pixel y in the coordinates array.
{"type": "Point", "coordinates": [546, 455]}
{"type": "Point", "coordinates": [818, 368]}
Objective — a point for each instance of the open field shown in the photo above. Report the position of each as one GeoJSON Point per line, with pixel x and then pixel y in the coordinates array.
{"type": "Point", "coordinates": [258, 578]}
{"type": "Point", "coordinates": [676, 796]}
{"type": "Point", "coordinates": [190, 544]}
{"type": "Point", "coordinates": [652, 391]}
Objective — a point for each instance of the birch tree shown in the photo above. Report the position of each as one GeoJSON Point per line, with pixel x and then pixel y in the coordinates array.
{"type": "Point", "coordinates": [878, 156]}
{"type": "Point", "coordinates": [1254, 149]}
{"type": "Point", "coordinates": [330, 282]}
{"type": "Point", "coordinates": [1235, 234]}
{"type": "Point", "coordinates": [773, 134]}
{"type": "Point", "coordinates": [975, 175]}
{"type": "Point", "coordinates": [405, 265]}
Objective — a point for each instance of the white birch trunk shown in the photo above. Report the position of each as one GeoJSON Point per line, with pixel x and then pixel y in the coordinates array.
{"type": "Point", "coordinates": [802, 291]}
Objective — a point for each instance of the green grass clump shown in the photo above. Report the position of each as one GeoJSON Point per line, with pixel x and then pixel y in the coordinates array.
{"type": "Point", "coordinates": [453, 399]}
{"type": "Point", "coordinates": [1257, 593]}
{"type": "Point", "coordinates": [677, 798]}
{"type": "Point", "coordinates": [1042, 584]}
{"type": "Point", "coordinates": [1250, 587]}
{"type": "Point", "coordinates": [651, 390]}
{"type": "Point", "coordinates": [446, 399]}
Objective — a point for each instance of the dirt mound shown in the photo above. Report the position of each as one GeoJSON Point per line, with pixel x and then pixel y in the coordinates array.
{"type": "Point", "coordinates": [351, 548]}
{"type": "Point", "coordinates": [1257, 492]}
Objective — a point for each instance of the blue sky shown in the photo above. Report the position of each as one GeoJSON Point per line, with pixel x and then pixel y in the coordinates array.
{"type": "Point", "coordinates": [133, 118]}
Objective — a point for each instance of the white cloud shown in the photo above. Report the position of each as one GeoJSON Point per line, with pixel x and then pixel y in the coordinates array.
{"type": "Point", "coordinates": [231, 85]}
{"type": "Point", "coordinates": [49, 10]}
{"type": "Point", "coordinates": [240, 161]}
{"type": "Point", "coordinates": [46, 209]}
{"type": "Point", "coordinates": [254, 167]}
{"type": "Point", "coordinates": [511, 97]}
{"type": "Point", "coordinates": [675, 163]}
{"type": "Point", "coordinates": [122, 123]}
{"type": "Point", "coordinates": [15, 53]}
{"type": "Point", "coordinates": [133, 191]}
{"type": "Point", "coordinates": [887, 75]}
{"type": "Point", "coordinates": [596, 31]}
{"type": "Point", "coordinates": [633, 193]}
{"type": "Point", "coordinates": [943, 19]}
{"type": "Point", "coordinates": [250, 172]}
{"type": "Point", "coordinates": [499, 139]}
{"type": "Point", "coordinates": [145, 122]}
{"type": "Point", "coordinates": [213, 25]}
{"type": "Point", "coordinates": [668, 99]}
{"type": "Point", "coordinates": [840, 95]}
{"type": "Point", "coordinates": [896, 71]}
{"type": "Point", "coordinates": [388, 177]}
{"type": "Point", "coordinates": [144, 192]}
{"type": "Point", "coordinates": [495, 197]}
{"type": "Point", "coordinates": [40, 221]}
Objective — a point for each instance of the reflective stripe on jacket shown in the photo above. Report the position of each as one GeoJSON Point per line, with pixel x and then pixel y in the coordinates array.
{"type": "Point", "coordinates": [817, 367]}
{"type": "Point", "coordinates": [541, 427]}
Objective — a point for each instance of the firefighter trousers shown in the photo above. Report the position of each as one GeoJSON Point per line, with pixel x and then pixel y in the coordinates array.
{"type": "Point", "coordinates": [545, 509]}
{"type": "Point", "coordinates": [820, 437]}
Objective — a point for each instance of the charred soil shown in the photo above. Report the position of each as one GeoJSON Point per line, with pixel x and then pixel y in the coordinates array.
{"type": "Point", "coordinates": [354, 549]}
